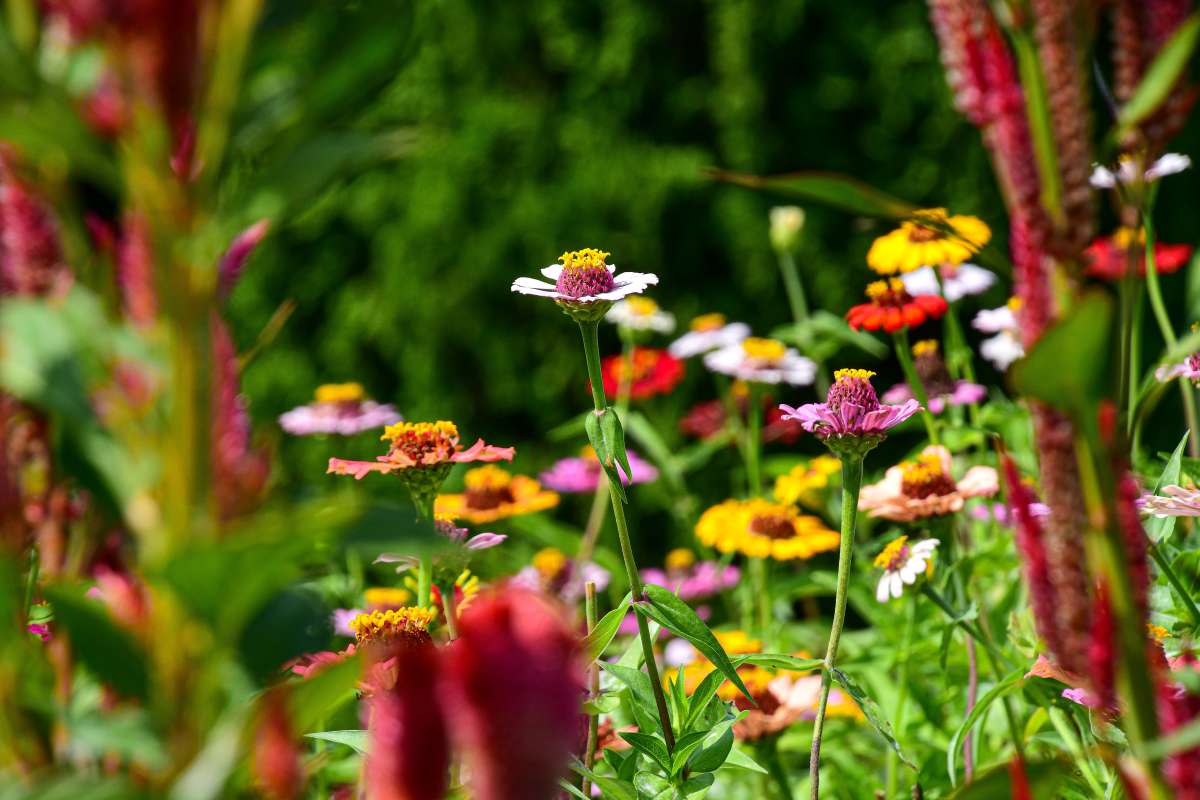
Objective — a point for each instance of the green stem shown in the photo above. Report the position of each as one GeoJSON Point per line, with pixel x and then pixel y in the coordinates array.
{"type": "Point", "coordinates": [589, 753]}
{"type": "Point", "coordinates": [893, 762]}
{"type": "Point", "coordinates": [1066, 731]}
{"type": "Point", "coordinates": [450, 611]}
{"type": "Point", "coordinates": [1125, 379]}
{"type": "Point", "coordinates": [852, 470]}
{"type": "Point", "coordinates": [754, 441]}
{"type": "Point", "coordinates": [591, 351]}
{"type": "Point", "coordinates": [799, 305]}
{"type": "Point", "coordinates": [424, 505]}
{"type": "Point", "coordinates": [1164, 566]}
{"type": "Point", "coordinates": [758, 578]}
{"type": "Point", "coordinates": [31, 583]}
{"type": "Point", "coordinates": [904, 353]}
{"type": "Point", "coordinates": [1168, 333]}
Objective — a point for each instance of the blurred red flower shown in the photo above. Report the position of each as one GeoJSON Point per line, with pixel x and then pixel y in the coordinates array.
{"type": "Point", "coordinates": [652, 372]}
{"type": "Point", "coordinates": [410, 748]}
{"type": "Point", "coordinates": [893, 308]}
{"type": "Point", "coordinates": [1107, 257]}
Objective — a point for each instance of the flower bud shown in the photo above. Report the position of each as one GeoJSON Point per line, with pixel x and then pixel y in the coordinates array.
{"type": "Point", "coordinates": [787, 223]}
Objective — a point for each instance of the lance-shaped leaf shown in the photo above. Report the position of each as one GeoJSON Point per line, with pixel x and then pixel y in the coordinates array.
{"type": "Point", "coordinates": [602, 635]}
{"type": "Point", "coordinates": [872, 712]}
{"type": "Point", "coordinates": [110, 652]}
{"type": "Point", "coordinates": [827, 188]}
{"type": "Point", "coordinates": [1160, 78]}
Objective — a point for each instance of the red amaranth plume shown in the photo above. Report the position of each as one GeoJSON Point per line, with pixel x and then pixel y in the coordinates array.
{"type": "Point", "coordinates": [1140, 30]}
{"type": "Point", "coordinates": [135, 271]}
{"type": "Point", "coordinates": [1178, 707]}
{"type": "Point", "coordinates": [956, 27]}
{"type": "Point", "coordinates": [1030, 545]}
{"type": "Point", "coordinates": [1102, 649]}
{"type": "Point", "coordinates": [240, 249]}
{"type": "Point", "coordinates": [1134, 535]}
{"type": "Point", "coordinates": [31, 259]}
{"type": "Point", "coordinates": [516, 685]}
{"type": "Point", "coordinates": [410, 748]}
{"type": "Point", "coordinates": [239, 471]}
{"type": "Point", "coordinates": [278, 770]}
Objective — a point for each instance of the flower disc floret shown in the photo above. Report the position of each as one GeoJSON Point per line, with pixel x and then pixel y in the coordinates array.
{"type": "Point", "coordinates": [409, 624]}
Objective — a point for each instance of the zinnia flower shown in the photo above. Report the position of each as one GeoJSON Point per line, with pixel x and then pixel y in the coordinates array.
{"type": "Point", "coordinates": [340, 408]}
{"type": "Point", "coordinates": [1126, 171]}
{"type": "Point", "coordinates": [585, 285]}
{"type": "Point", "coordinates": [492, 493]}
{"type": "Point", "coordinates": [930, 237]}
{"type": "Point", "coordinates": [902, 563]}
{"type": "Point", "coordinates": [641, 314]}
{"type": "Point", "coordinates": [939, 387]}
{"type": "Point", "coordinates": [421, 454]}
{"type": "Point", "coordinates": [803, 483]}
{"type": "Point", "coordinates": [708, 332]}
{"type": "Point", "coordinates": [924, 488]}
{"type": "Point", "coordinates": [651, 372]}
{"type": "Point", "coordinates": [762, 529]}
{"type": "Point", "coordinates": [556, 575]}
{"type": "Point", "coordinates": [893, 308]}
{"type": "Point", "coordinates": [690, 579]}
{"type": "Point", "coordinates": [1175, 501]}
{"type": "Point", "coordinates": [762, 361]}
{"type": "Point", "coordinates": [1005, 347]}
{"type": "Point", "coordinates": [583, 473]}
{"type": "Point", "coordinates": [953, 282]}
{"type": "Point", "coordinates": [851, 416]}
{"type": "Point", "coordinates": [1108, 256]}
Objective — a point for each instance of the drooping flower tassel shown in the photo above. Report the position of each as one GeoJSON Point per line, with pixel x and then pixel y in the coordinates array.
{"type": "Point", "coordinates": [1178, 707]}
{"type": "Point", "coordinates": [1030, 545]}
{"type": "Point", "coordinates": [1102, 647]}
{"type": "Point", "coordinates": [240, 471]}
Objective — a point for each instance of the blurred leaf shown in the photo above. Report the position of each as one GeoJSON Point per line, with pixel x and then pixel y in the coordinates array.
{"type": "Point", "coordinates": [355, 739]}
{"type": "Point", "coordinates": [292, 623]}
{"type": "Point", "coordinates": [124, 732]}
{"type": "Point", "coordinates": [1037, 112]}
{"type": "Point", "coordinates": [1067, 366]}
{"type": "Point", "coordinates": [602, 635]}
{"type": "Point", "coordinates": [1011, 683]}
{"type": "Point", "coordinates": [1045, 780]}
{"type": "Point", "coordinates": [205, 777]}
{"type": "Point", "coordinates": [108, 651]}
{"type": "Point", "coordinates": [823, 334]}
{"type": "Point", "coordinates": [738, 758]}
{"type": "Point", "coordinates": [72, 787]}
{"type": "Point", "coordinates": [873, 713]}
{"type": "Point", "coordinates": [837, 191]}
{"type": "Point", "coordinates": [665, 608]}
{"type": "Point", "coordinates": [1160, 77]}
{"type": "Point", "coordinates": [322, 692]}
{"type": "Point", "coordinates": [1160, 529]}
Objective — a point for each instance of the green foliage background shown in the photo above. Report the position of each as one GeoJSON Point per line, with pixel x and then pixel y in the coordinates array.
{"type": "Point", "coordinates": [522, 131]}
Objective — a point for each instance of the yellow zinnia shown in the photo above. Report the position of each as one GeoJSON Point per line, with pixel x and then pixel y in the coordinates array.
{"type": "Point", "coordinates": [804, 482]}
{"type": "Point", "coordinates": [491, 493]}
{"type": "Point", "coordinates": [930, 238]}
{"type": "Point", "coordinates": [762, 529]}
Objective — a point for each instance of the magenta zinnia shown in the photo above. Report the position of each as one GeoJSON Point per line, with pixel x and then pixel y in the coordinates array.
{"type": "Point", "coordinates": [851, 414]}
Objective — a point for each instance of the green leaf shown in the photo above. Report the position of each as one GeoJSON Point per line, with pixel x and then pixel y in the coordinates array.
{"type": "Point", "coordinates": [598, 432]}
{"type": "Point", "coordinates": [652, 787]}
{"type": "Point", "coordinates": [678, 617]}
{"type": "Point", "coordinates": [610, 426]}
{"type": "Point", "coordinates": [827, 188]}
{"type": "Point", "coordinates": [1066, 368]}
{"type": "Point", "coordinates": [1045, 779]}
{"type": "Point", "coordinates": [684, 747]}
{"type": "Point", "coordinates": [107, 650]}
{"type": "Point", "coordinates": [715, 748]}
{"type": "Point", "coordinates": [872, 712]}
{"type": "Point", "coordinates": [738, 758]}
{"type": "Point", "coordinates": [652, 746]}
{"type": "Point", "coordinates": [823, 334]}
{"type": "Point", "coordinates": [1037, 105]}
{"type": "Point", "coordinates": [1161, 529]}
{"type": "Point", "coordinates": [572, 790]}
{"type": "Point", "coordinates": [1161, 76]}
{"type": "Point", "coordinates": [355, 739]}
{"type": "Point", "coordinates": [778, 661]}
{"type": "Point", "coordinates": [609, 787]}
{"type": "Point", "coordinates": [641, 694]}
{"type": "Point", "coordinates": [293, 622]}
{"type": "Point", "coordinates": [601, 636]}
{"type": "Point", "coordinates": [320, 694]}
{"type": "Point", "coordinates": [696, 785]}
{"type": "Point", "coordinates": [701, 696]}
{"type": "Point", "coordinates": [1005, 687]}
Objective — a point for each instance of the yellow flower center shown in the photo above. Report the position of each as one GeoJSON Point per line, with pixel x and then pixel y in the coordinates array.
{"type": "Point", "coordinates": [1125, 238]}
{"type": "Point", "coordinates": [407, 622]}
{"type": "Point", "coordinates": [930, 224]}
{"type": "Point", "coordinates": [641, 306]}
{"type": "Point", "coordinates": [768, 350]}
{"type": "Point", "coordinates": [894, 554]}
{"type": "Point", "coordinates": [843, 375]}
{"type": "Point", "coordinates": [487, 487]}
{"type": "Point", "coordinates": [340, 393]}
{"type": "Point", "coordinates": [385, 597]}
{"type": "Point", "coordinates": [925, 347]}
{"type": "Point", "coordinates": [925, 478]}
{"type": "Point", "coordinates": [680, 560]}
{"type": "Point", "coordinates": [419, 441]}
{"type": "Point", "coordinates": [585, 259]}
{"type": "Point", "coordinates": [889, 292]}
{"type": "Point", "coordinates": [549, 562]}
{"type": "Point", "coordinates": [708, 322]}
{"type": "Point", "coordinates": [1014, 304]}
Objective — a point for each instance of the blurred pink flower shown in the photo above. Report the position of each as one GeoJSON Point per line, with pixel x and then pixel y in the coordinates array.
{"type": "Point", "coordinates": [31, 259]}
{"type": "Point", "coordinates": [232, 263]}
{"type": "Point", "coordinates": [135, 271]}
{"type": "Point", "coordinates": [691, 579]}
{"type": "Point", "coordinates": [582, 473]}
{"type": "Point", "coordinates": [1175, 501]}
{"type": "Point", "coordinates": [240, 471]}
{"type": "Point", "coordinates": [340, 408]}
{"type": "Point", "coordinates": [963, 393]}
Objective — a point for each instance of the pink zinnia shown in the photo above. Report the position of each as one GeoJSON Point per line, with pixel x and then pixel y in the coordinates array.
{"type": "Point", "coordinates": [582, 473]}
{"type": "Point", "coordinates": [690, 579]}
{"type": "Point", "coordinates": [339, 408]}
{"type": "Point", "coordinates": [851, 412]}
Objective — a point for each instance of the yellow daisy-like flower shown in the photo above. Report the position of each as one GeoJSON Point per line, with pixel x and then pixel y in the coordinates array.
{"type": "Point", "coordinates": [384, 597]}
{"type": "Point", "coordinates": [762, 529]}
{"type": "Point", "coordinates": [931, 237]}
{"type": "Point", "coordinates": [492, 493]}
{"type": "Point", "coordinates": [409, 622]}
{"type": "Point", "coordinates": [803, 484]}
{"type": "Point", "coordinates": [340, 393]}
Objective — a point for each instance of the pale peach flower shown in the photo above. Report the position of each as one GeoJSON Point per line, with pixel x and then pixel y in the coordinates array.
{"type": "Point", "coordinates": [925, 488]}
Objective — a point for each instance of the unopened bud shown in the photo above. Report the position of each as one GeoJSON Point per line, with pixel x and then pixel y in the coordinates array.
{"type": "Point", "coordinates": [787, 223]}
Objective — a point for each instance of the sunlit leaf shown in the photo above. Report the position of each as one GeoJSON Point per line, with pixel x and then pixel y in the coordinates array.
{"type": "Point", "coordinates": [1045, 780]}
{"type": "Point", "coordinates": [1160, 529]}
{"type": "Point", "coordinates": [601, 636]}
{"type": "Point", "coordinates": [355, 739]}
{"type": "Point", "coordinates": [1010, 684]}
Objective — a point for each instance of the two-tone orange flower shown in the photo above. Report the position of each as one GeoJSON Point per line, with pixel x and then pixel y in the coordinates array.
{"type": "Point", "coordinates": [893, 308]}
{"type": "Point", "coordinates": [491, 493]}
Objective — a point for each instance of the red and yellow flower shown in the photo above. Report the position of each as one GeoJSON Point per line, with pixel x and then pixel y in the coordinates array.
{"type": "Point", "coordinates": [491, 493]}
{"type": "Point", "coordinates": [893, 308]}
{"type": "Point", "coordinates": [1108, 257]}
{"type": "Point", "coordinates": [930, 237]}
{"type": "Point", "coordinates": [648, 372]}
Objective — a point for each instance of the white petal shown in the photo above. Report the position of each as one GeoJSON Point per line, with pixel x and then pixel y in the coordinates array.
{"type": "Point", "coordinates": [881, 591]}
{"type": "Point", "coordinates": [1103, 178]}
{"type": "Point", "coordinates": [968, 280]}
{"type": "Point", "coordinates": [994, 320]}
{"type": "Point", "coordinates": [1168, 164]}
{"type": "Point", "coordinates": [921, 282]}
{"type": "Point", "coordinates": [553, 271]}
{"type": "Point", "coordinates": [895, 584]}
{"type": "Point", "coordinates": [644, 278]}
{"type": "Point", "coordinates": [530, 286]}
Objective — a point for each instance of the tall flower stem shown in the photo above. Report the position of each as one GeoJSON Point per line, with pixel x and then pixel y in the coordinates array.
{"type": "Point", "coordinates": [893, 762]}
{"type": "Point", "coordinates": [799, 306]}
{"type": "Point", "coordinates": [754, 441]}
{"type": "Point", "coordinates": [425, 562]}
{"type": "Point", "coordinates": [852, 470]}
{"type": "Point", "coordinates": [450, 611]}
{"type": "Point", "coordinates": [591, 350]}
{"type": "Point", "coordinates": [1168, 333]}
{"type": "Point", "coordinates": [589, 753]}
{"type": "Point", "coordinates": [904, 354]}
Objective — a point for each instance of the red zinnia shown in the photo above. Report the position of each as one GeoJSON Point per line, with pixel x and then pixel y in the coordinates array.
{"type": "Point", "coordinates": [893, 308]}
{"type": "Point", "coordinates": [652, 372]}
{"type": "Point", "coordinates": [1108, 256]}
